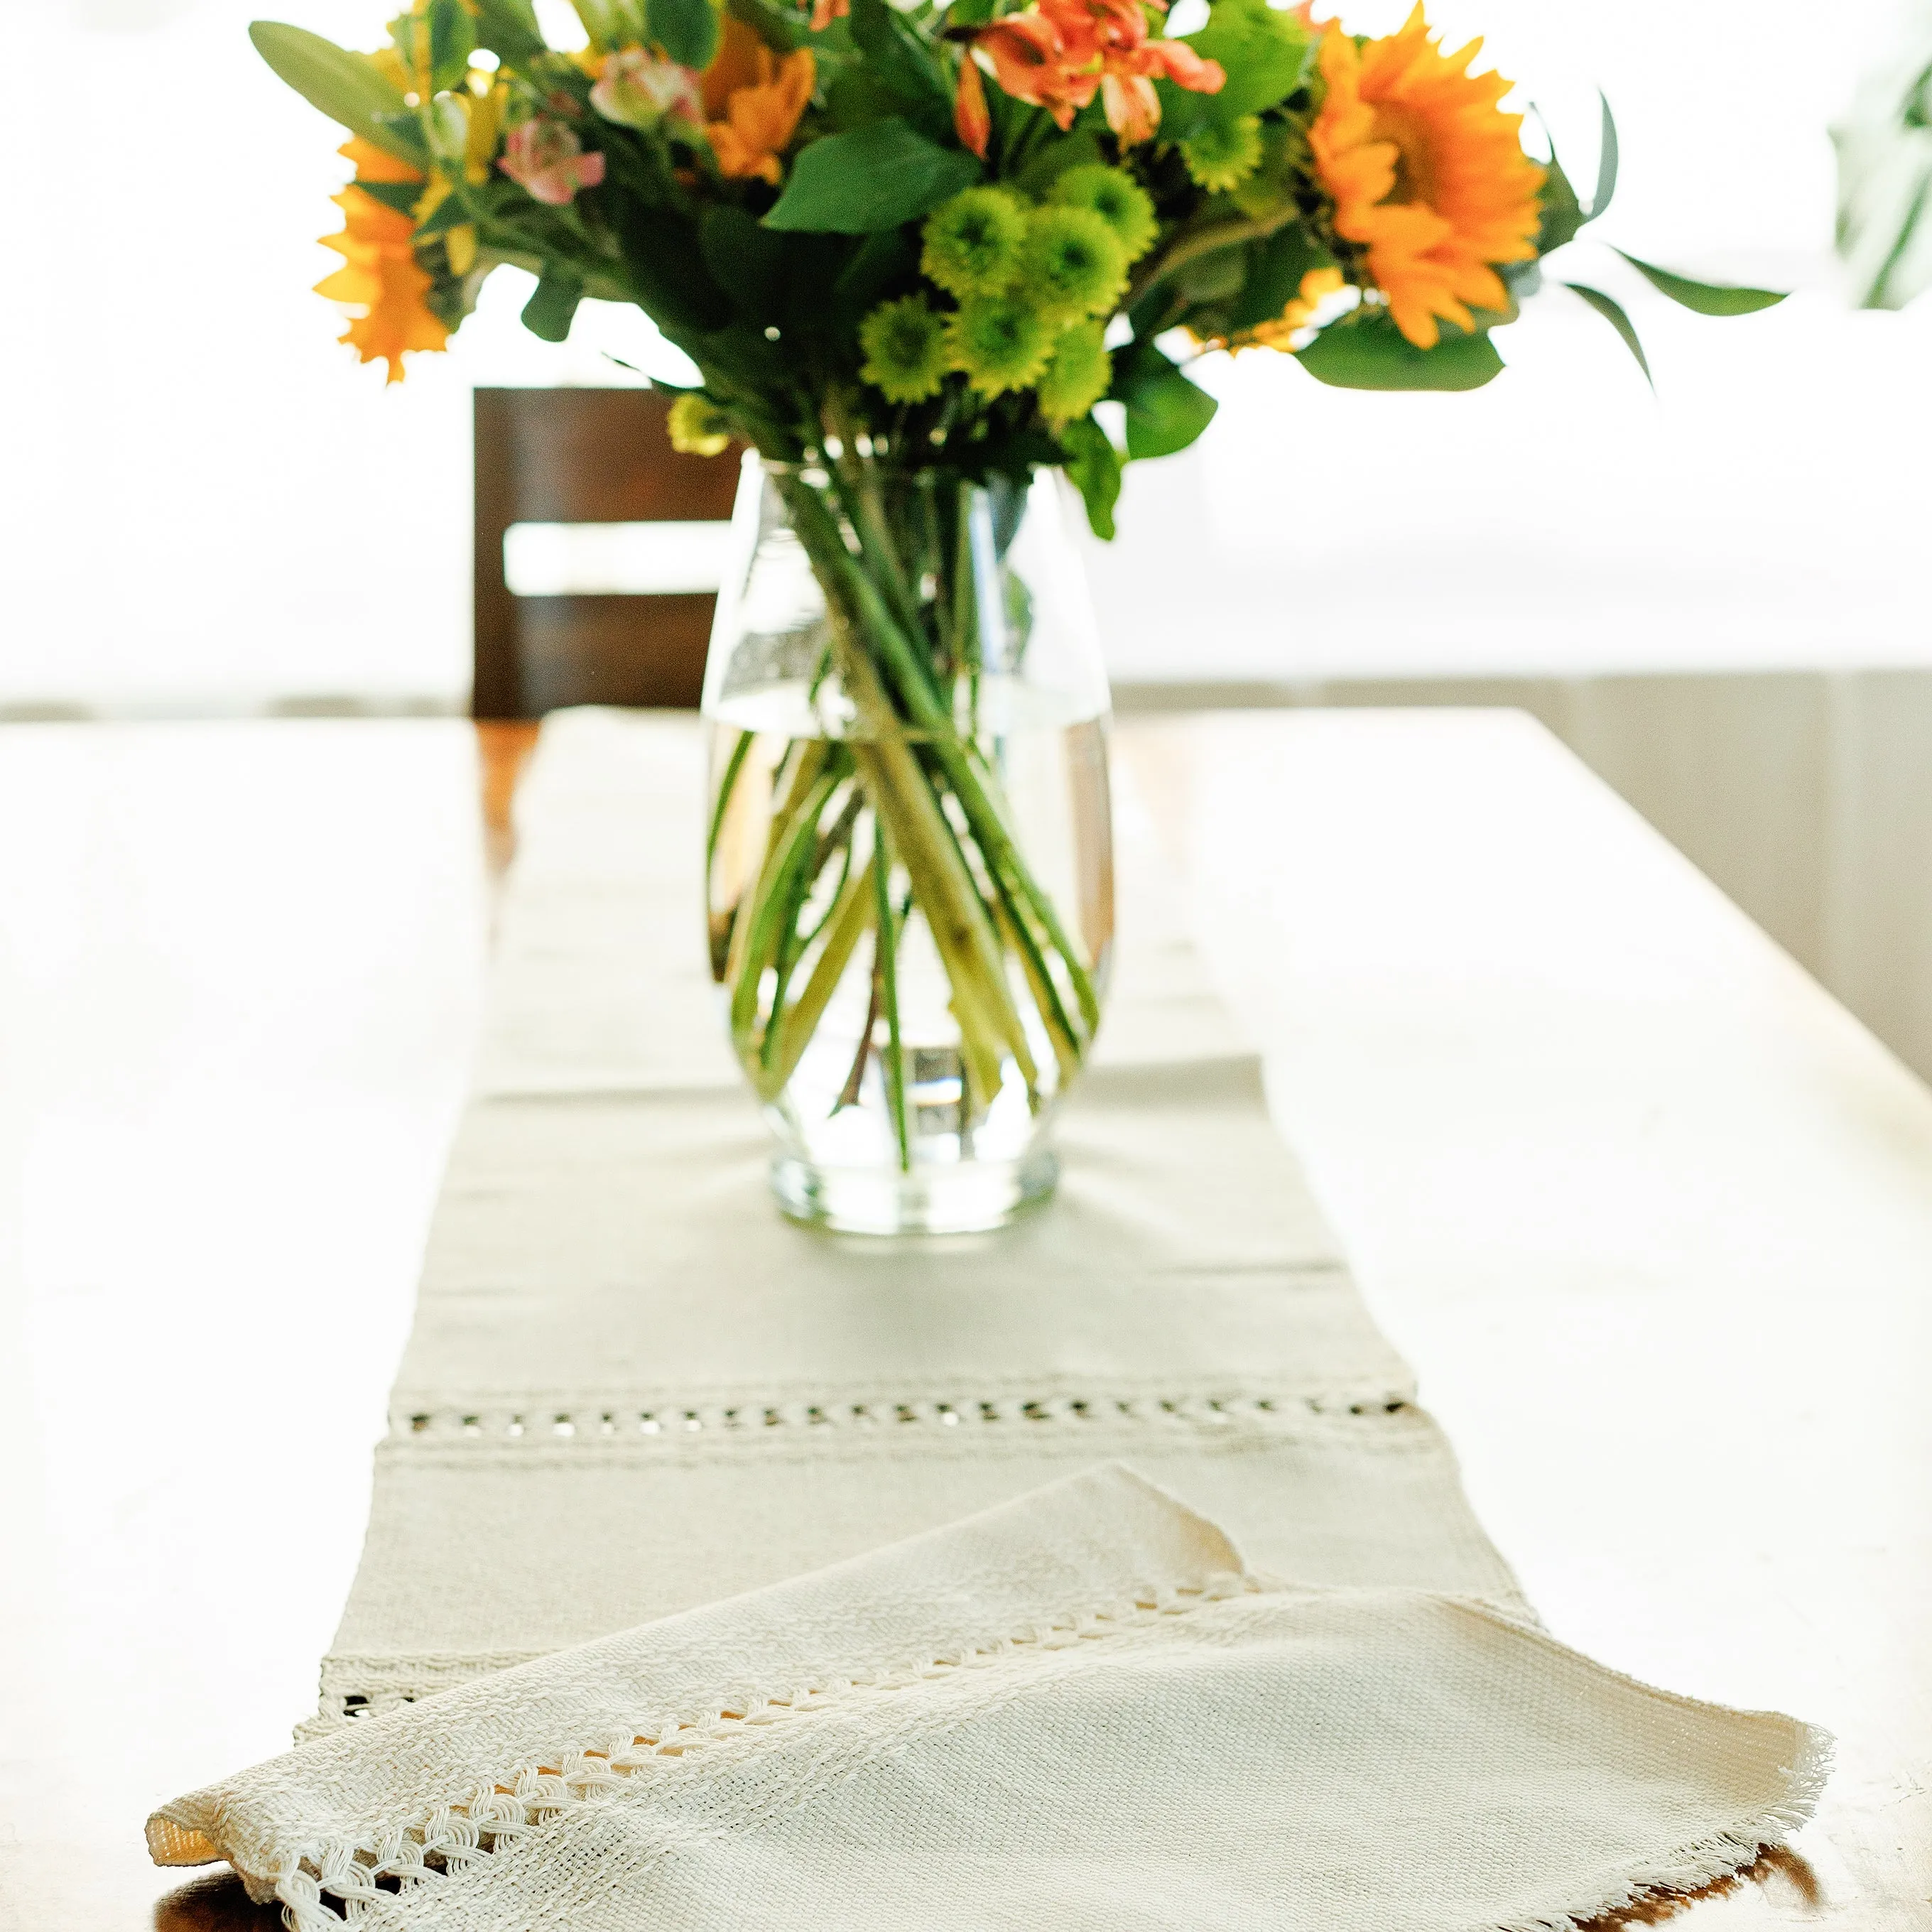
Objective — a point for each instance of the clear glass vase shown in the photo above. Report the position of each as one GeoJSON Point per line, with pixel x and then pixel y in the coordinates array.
{"type": "Point", "coordinates": [909, 853]}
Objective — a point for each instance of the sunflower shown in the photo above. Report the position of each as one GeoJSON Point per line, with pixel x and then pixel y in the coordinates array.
{"type": "Point", "coordinates": [1427, 173]}
{"type": "Point", "coordinates": [380, 275]}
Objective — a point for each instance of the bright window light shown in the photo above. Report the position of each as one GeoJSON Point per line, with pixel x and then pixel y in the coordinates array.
{"type": "Point", "coordinates": [614, 560]}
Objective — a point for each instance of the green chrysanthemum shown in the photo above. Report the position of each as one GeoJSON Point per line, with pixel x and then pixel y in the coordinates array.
{"type": "Point", "coordinates": [973, 243]}
{"type": "Point", "coordinates": [697, 426]}
{"type": "Point", "coordinates": [1222, 157]}
{"type": "Point", "coordinates": [999, 343]}
{"type": "Point", "coordinates": [904, 343]}
{"type": "Point", "coordinates": [1078, 375]}
{"type": "Point", "coordinates": [1117, 198]}
{"type": "Point", "coordinates": [1073, 264]}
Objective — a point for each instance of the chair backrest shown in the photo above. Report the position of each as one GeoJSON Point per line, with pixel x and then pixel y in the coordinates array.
{"type": "Point", "coordinates": [577, 456]}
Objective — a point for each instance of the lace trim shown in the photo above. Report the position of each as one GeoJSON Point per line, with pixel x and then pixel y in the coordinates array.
{"type": "Point", "coordinates": [338, 1882]}
{"type": "Point", "coordinates": [601, 1423]}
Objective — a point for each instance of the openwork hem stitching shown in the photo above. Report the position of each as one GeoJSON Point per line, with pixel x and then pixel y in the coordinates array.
{"type": "Point", "coordinates": [599, 1422]}
{"type": "Point", "coordinates": [339, 1882]}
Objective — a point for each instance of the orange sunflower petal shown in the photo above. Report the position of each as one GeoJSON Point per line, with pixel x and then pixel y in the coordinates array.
{"type": "Point", "coordinates": [1426, 171]}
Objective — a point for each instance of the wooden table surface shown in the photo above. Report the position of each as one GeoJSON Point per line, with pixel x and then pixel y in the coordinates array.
{"type": "Point", "coordinates": [1651, 1216]}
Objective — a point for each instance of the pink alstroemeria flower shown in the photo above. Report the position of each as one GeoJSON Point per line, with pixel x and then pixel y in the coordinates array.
{"type": "Point", "coordinates": [547, 160]}
{"type": "Point", "coordinates": [639, 90]}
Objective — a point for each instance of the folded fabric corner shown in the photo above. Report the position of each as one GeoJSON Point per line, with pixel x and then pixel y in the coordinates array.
{"type": "Point", "coordinates": [1077, 1710]}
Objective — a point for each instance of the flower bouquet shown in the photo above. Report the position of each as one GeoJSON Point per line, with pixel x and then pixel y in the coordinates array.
{"type": "Point", "coordinates": [926, 259]}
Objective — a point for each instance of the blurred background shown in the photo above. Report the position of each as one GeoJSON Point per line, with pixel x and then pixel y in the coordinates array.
{"type": "Point", "coordinates": [1714, 593]}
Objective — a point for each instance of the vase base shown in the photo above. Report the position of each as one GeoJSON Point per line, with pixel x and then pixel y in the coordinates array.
{"type": "Point", "coordinates": [969, 1198]}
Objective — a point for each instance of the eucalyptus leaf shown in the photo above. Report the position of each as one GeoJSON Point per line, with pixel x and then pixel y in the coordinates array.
{"type": "Point", "coordinates": [1611, 310]}
{"type": "Point", "coordinates": [687, 30]}
{"type": "Point", "coordinates": [1368, 352]}
{"type": "Point", "coordinates": [874, 178]}
{"type": "Point", "coordinates": [1092, 465]}
{"type": "Point", "coordinates": [349, 88]}
{"type": "Point", "coordinates": [1705, 298]}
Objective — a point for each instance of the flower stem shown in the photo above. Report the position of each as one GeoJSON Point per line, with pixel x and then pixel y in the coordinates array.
{"type": "Point", "coordinates": [887, 968]}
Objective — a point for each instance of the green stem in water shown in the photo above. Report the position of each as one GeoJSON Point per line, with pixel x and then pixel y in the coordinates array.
{"type": "Point", "coordinates": [794, 1030]}
{"type": "Point", "coordinates": [987, 825]}
{"type": "Point", "coordinates": [888, 931]}
{"type": "Point", "coordinates": [924, 836]}
{"type": "Point", "coordinates": [796, 835]}
{"type": "Point", "coordinates": [726, 784]}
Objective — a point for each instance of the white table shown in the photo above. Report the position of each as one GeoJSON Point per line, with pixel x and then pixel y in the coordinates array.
{"type": "Point", "coordinates": [1651, 1217]}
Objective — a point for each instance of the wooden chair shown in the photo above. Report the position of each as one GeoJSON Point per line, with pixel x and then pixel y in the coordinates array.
{"type": "Point", "coordinates": [586, 456]}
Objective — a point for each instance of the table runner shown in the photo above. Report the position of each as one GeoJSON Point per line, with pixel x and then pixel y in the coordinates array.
{"type": "Point", "coordinates": [1079, 1710]}
{"type": "Point", "coordinates": [632, 1388]}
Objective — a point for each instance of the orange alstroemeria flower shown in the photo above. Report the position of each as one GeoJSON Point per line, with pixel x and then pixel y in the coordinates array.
{"type": "Point", "coordinates": [380, 275]}
{"type": "Point", "coordinates": [1058, 54]}
{"type": "Point", "coordinates": [754, 101]}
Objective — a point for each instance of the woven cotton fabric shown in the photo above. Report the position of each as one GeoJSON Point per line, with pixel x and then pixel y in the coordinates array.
{"type": "Point", "coordinates": [633, 1388]}
{"type": "Point", "coordinates": [1077, 1710]}
{"type": "Point", "coordinates": [1099, 1573]}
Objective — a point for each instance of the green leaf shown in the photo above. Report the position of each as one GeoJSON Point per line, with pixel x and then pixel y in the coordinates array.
{"type": "Point", "coordinates": [903, 63]}
{"type": "Point", "coordinates": [508, 28]}
{"type": "Point", "coordinates": [871, 179]}
{"type": "Point", "coordinates": [687, 30]}
{"type": "Point", "coordinates": [877, 263]}
{"type": "Point", "coordinates": [1094, 468]}
{"type": "Point", "coordinates": [1606, 162]}
{"type": "Point", "coordinates": [1266, 51]}
{"type": "Point", "coordinates": [449, 213]}
{"type": "Point", "coordinates": [349, 88]}
{"type": "Point", "coordinates": [404, 135]}
{"type": "Point", "coordinates": [855, 97]}
{"type": "Point", "coordinates": [1613, 312]}
{"type": "Point", "coordinates": [1166, 411]}
{"type": "Point", "coordinates": [1562, 213]}
{"type": "Point", "coordinates": [1705, 298]}
{"type": "Point", "coordinates": [549, 312]}
{"type": "Point", "coordinates": [1276, 267]}
{"type": "Point", "coordinates": [401, 196]}
{"type": "Point", "coordinates": [452, 39]}
{"type": "Point", "coordinates": [666, 267]}
{"type": "Point", "coordinates": [1078, 150]}
{"type": "Point", "coordinates": [1372, 353]}
{"type": "Point", "coordinates": [781, 27]}
{"type": "Point", "coordinates": [746, 261]}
